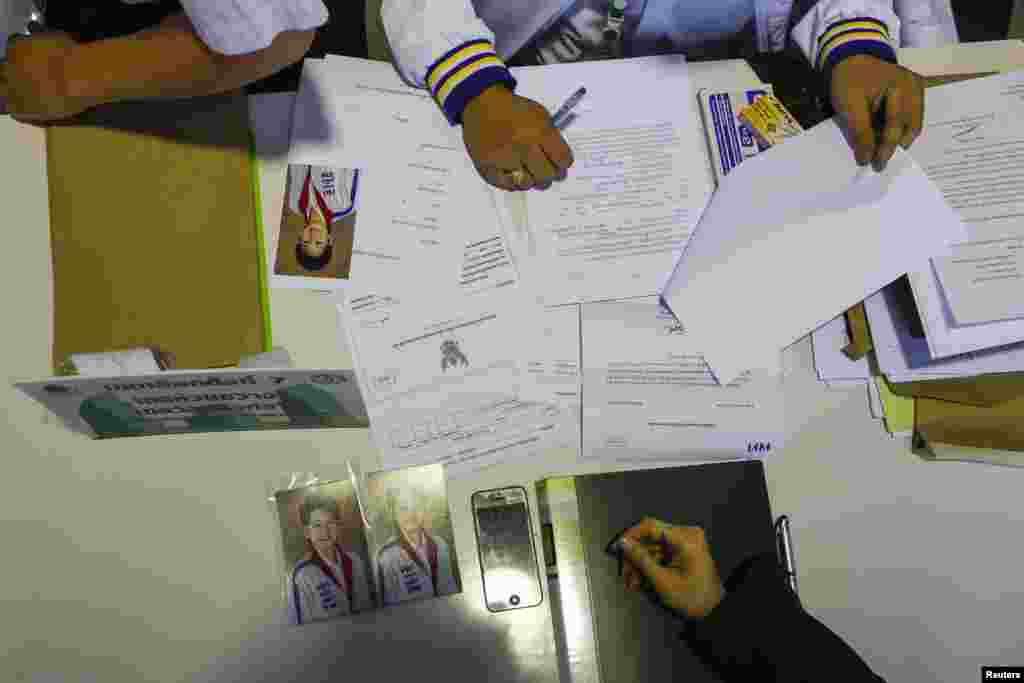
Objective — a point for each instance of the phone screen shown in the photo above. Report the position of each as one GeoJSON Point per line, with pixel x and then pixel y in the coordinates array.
{"type": "Point", "coordinates": [505, 543]}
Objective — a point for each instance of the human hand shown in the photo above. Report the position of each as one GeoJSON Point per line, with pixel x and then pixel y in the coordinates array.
{"type": "Point", "coordinates": [861, 86]}
{"type": "Point", "coordinates": [35, 78]}
{"type": "Point", "coordinates": [676, 562]}
{"type": "Point", "coordinates": [512, 142]}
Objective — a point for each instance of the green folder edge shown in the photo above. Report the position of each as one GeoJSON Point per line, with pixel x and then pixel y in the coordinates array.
{"type": "Point", "coordinates": [899, 410]}
{"type": "Point", "coordinates": [261, 246]}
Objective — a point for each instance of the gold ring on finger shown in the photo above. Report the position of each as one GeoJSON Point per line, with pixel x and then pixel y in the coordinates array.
{"type": "Point", "coordinates": [517, 177]}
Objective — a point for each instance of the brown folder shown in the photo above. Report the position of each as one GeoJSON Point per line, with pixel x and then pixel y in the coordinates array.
{"type": "Point", "coordinates": [932, 450]}
{"type": "Point", "coordinates": [980, 390]}
{"type": "Point", "coordinates": [998, 427]}
{"type": "Point", "coordinates": [154, 231]}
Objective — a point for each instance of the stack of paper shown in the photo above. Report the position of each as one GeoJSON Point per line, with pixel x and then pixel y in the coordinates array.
{"type": "Point", "coordinates": [958, 354]}
{"type": "Point", "coordinates": [832, 365]}
{"type": "Point", "coordinates": [434, 312]}
{"type": "Point", "coordinates": [906, 358]}
{"type": "Point", "coordinates": [836, 370]}
{"type": "Point", "coordinates": [972, 147]}
{"type": "Point", "coordinates": [782, 258]}
{"type": "Point", "coordinates": [773, 259]}
{"type": "Point", "coordinates": [466, 324]}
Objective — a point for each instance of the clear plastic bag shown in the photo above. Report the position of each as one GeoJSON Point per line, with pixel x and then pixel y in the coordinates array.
{"type": "Point", "coordinates": [348, 543]}
{"type": "Point", "coordinates": [410, 533]}
{"type": "Point", "coordinates": [324, 561]}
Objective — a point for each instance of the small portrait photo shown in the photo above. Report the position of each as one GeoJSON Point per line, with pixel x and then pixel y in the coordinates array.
{"type": "Point", "coordinates": [325, 552]}
{"type": "Point", "coordinates": [317, 226]}
{"type": "Point", "coordinates": [411, 534]}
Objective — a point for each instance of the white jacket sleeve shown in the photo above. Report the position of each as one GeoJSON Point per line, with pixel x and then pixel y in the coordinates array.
{"type": "Point", "coordinates": [444, 47]}
{"type": "Point", "coordinates": [926, 23]}
{"type": "Point", "coordinates": [244, 26]}
{"type": "Point", "coordinates": [835, 29]}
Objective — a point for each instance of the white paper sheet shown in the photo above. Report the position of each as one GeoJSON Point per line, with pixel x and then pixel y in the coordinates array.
{"type": "Point", "coordinates": [442, 382]}
{"type": "Point", "coordinates": [551, 365]}
{"type": "Point", "coordinates": [984, 280]}
{"type": "Point", "coordinates": [844, 384]}
{"type": "Point", "coordinates": [647, 393]}
{"type": "Point", "coordinates": [640, 180]}
{"type": "Point", "coordinates": [357, 113]}
{"type": "Point", "coordinates": [905, 358]}
{"type": "Point", "coordinates": [875, 401]}
{"type": "Point", "coordinates": [430, 223]}
{"type": "Point", "coordinates": [793, 237]}
{"type": "Point", "coordinates": [875, 406]}
{"type": "Point", "coordinates": [425, 217]}
{"type": "Point", "coordinates": [831, 363]}
{"type": "Point", "coordinates": [972, 147]}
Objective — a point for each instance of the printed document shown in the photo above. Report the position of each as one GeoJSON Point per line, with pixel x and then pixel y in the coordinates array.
{"type": "Point", "coordinates": [649, 394]}
{"type": "Point", "coordinates": [425, 217]}
{"type": "Point", "coordinates": [442, 382]}
{"type": "Point", "coordinates": [613, 228]}
{"type": "Point", "coordinates": [793, 237]}
{"type": "Point", "coordinates": [972, 147]}
{"type": "Point", "coordinates": [430, 223]}
{"type": "Point", "coordinates": [551, 364]}
{"type": "Point", "coordinates": [984, 280]}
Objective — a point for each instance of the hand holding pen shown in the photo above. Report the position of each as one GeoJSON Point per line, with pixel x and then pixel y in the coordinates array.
{"type": "Point", "coordinates": [675, 562]}
{"type": "Point", "coordinates": [514, 142]}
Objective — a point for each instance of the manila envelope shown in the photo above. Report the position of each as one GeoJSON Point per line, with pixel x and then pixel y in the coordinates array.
{"type": "Point", "coordinates": [154, 231]}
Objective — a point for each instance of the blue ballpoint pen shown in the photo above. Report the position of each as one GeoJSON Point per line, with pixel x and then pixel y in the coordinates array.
{"type": "Point", "coordinates": [561, 117]}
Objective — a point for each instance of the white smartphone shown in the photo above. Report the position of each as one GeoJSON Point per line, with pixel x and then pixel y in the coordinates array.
{"type": "Point", "coordinates": [504, 539]}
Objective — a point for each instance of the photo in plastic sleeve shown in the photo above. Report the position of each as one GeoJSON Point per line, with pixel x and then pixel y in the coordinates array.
{"type": "Point", "coordinates": [326, 557]}
{"type": "Point", "coordinates": [411, 535]}
{"type": "Point", "coordinates": [318, 222]}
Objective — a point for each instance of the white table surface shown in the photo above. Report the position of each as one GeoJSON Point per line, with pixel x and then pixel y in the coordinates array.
{"type": "Point", "coordinates": [152, 559]}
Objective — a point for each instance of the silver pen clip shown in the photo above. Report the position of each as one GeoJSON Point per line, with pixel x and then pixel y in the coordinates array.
{"type": "Point", "coordinates": [787, 558]}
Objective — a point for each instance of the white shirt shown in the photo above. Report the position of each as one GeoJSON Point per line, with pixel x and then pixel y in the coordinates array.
{"type": "Point", "coordinates": [315, 596]}
{"type": "Point", "coordinates": [336, 187]}
{"type": "Point", "coordinates": [236, 27]}
{"type": "Point", "coordinates": [403, 579]}
{"type": "Point", "coordinates": [445, 47]}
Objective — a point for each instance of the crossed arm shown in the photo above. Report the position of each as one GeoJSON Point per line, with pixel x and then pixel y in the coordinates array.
{"type": "Point", "coordinates": [50, 76]}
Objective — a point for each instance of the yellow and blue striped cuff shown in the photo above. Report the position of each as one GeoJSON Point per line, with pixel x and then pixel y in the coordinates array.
{"type": "Point", "coordinates": [854, 36]}
{"type": "Point", "coordinates": [463, 73]}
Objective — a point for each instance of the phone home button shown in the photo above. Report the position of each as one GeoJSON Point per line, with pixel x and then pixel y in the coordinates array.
{"type": "Point", "coordinates": [514, 600]}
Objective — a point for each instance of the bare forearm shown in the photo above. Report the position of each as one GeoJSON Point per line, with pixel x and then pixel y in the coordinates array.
{"type": "Point", "coordinates": [171, 61]}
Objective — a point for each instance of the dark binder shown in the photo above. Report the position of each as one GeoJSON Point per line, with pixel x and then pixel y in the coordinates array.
{"type": "Point", "coordinates": [636, 640]}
